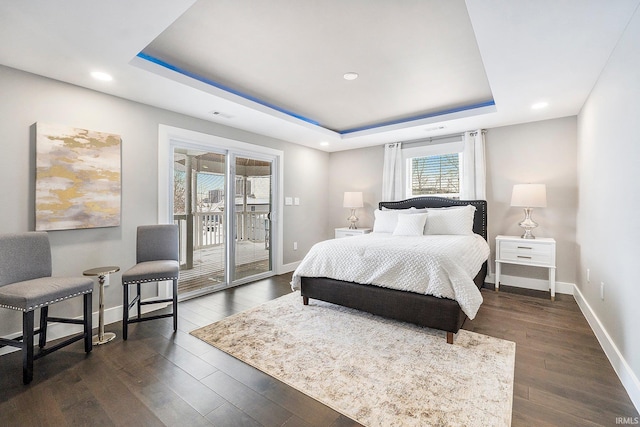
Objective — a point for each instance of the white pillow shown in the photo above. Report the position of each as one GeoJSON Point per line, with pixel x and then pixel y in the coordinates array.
{"type": "Point", "coordinates": [385, 221]}
{"type": "Point", "coordinates": [450, 221]}
{"type": "Point", "coordinates": [410, 225]}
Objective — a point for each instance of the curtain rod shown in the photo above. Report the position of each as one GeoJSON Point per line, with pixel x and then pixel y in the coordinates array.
{"type": "Point", "coordinates": [474, 133]}
{"type": "Point", "coordinates": [431, 140]}
{"type": "Point", "coordinates": [434, 138]}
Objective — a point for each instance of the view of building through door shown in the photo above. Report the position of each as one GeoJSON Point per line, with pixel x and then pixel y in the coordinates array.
{"type": "Point", "coordinates": [252, 213]}
{"type": "Point", "coordinates": [208, 260]}
{"type": "Point", "coordinates": [198, 206]}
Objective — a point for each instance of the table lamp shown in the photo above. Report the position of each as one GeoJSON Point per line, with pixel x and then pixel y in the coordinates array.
{"type": "Point", "coordinates": [529, 196]}
{"type": "Point", "coordinates": [352, 200]}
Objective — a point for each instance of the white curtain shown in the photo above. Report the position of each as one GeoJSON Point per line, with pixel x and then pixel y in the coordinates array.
{"type": "Point", "coordinates": [392, 179]}
{"type": "Point", "coordinates": [474, 174]}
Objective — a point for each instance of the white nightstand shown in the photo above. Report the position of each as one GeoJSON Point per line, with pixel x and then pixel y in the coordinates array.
{"type": "Point", "coordinates": [538, 252]}
{"type": "Point", "coordinates": [346, 232]}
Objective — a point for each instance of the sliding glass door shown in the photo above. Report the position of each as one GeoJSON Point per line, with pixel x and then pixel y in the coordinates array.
{"type": "Point", "coordinates": [253, 197]}
{"type": "Point", "coordinates": [222, 202]}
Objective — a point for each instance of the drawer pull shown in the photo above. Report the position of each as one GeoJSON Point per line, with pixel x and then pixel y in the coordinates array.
{"type": "Point", "coordinates": [524, 247]}
{"type": "Point", "coordinates": [526, 257]}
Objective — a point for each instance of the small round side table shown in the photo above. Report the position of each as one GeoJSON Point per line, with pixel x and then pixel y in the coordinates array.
{"type": "Point", "coordinates": [101, 272]}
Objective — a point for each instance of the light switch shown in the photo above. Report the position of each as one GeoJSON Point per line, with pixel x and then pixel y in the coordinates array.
{"type": "Point", "coordinates": [296, 201]}
{"type": "Point", "coordinates": [288, 201]}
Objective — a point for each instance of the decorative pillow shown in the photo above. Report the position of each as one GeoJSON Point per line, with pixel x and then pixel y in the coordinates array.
{"type": "Point", "coordinates": [410, 225]}
{"type": "Point", "coordinates": [450, 221]}
{"type": "Point", "coordinates": [386, 220]}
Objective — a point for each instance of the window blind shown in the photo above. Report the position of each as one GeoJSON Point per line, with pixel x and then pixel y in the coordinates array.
{"type": "Point", "coordinates": [439, 174]}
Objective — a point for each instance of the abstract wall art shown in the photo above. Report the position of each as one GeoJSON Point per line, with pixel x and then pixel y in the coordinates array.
{"type": "Point", "coordinates": [78, 178]}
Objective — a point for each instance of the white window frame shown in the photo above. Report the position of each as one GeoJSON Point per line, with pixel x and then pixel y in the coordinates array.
{"type": "Point", "coordinates": [427, 150]}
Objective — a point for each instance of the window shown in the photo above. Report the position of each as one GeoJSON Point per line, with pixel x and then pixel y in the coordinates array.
{"type": "Point", "coordinates": [433, 170]}
{"type": "Point", "coordinates": [437, 175]}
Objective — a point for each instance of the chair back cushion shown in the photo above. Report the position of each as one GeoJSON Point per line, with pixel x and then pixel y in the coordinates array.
{"type": "Point", "coordinates": [157, 242]}
{"type": "Point", "coordinates": [24, 256]}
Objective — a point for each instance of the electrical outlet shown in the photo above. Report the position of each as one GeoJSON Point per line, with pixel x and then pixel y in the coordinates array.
{"type": "Point", "coordinates": [588, 275]}
{"type": "Point", "coordinates": [295, 246]}
{"type": "Point", "coordinates": [602, 291]}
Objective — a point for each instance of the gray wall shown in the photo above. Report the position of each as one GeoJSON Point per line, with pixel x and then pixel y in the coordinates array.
{"type": "Point", "coordinates": [543, 152]}
{"type": "Point", "coordinates": [354, 170]}
{"type": "Point", "coordinates": [305, 177]}
{"type": "Point", "coordinates": [540, 152]}
{"type": "Point", "coordinates": [608, 232]}
{"type": "Point", "coordinates": [27, 99]}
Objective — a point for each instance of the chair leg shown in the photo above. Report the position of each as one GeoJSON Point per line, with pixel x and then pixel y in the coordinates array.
{"type": "Point", "coordinates": [27, 346]}
{"type": "Point", "coordinates": [44, 313]}
{"type": "Point", "coordinates": [175, 305]}
{"type": "Point", "coordinates": [88, 320]}
{"type": "Point", "coordinates": [125, 311]}
{"type": "Point", "coordinates": [139, 301]}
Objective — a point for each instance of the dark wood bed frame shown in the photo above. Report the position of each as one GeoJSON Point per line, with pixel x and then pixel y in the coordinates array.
{"type": "Point", "coordinates": [424, 310]}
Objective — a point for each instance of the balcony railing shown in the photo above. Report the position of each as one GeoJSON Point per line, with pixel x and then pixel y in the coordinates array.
{"type": "Point", "coordinates": [209, 228]}
{"type": "Point", "coordinates": [209, 231]}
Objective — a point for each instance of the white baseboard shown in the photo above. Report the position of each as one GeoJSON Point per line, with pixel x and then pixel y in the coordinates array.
{"type": "Point", "coordinates": [623, 370]}
{"type": "Point", "coordinates": [627, 376]}
{"type": "Point", "coordinates": [288, 268]}
{"type": "Point", "coordinates": [536, 284]}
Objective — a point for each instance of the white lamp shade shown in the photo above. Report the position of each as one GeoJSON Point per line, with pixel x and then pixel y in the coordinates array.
{"type": "Point", "coordinates": [529, 195]}
{"type": "Point", "coordinates": [352, 199]}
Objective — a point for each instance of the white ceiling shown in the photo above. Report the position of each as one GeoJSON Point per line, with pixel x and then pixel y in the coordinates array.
{"type": "Point", "coordinates": [293, 54]}
{"type": "Point", "coordinates": [427, 67]}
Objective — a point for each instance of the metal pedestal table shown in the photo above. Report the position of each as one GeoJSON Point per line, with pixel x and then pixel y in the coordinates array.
{"type": "Point", "coordinates": [102, 337]}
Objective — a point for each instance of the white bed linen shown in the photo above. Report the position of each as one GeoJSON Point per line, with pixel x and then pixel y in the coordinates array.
{"type": "Point", "coordinates": [443, 266]}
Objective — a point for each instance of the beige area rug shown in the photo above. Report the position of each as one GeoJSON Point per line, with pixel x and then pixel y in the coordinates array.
{"type": "Point", "coordinates": [376, 371]}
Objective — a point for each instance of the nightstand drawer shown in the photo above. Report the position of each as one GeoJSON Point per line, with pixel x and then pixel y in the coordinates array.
{"type": "Point", "coordinates": [524, 257]}
{"type": "Point", "coordinates": [526, 252]}
{"type": "Point", "coordinates": [348, 232]}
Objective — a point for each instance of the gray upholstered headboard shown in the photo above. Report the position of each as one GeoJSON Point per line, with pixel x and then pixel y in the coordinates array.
{"type": "Point", "coordinates": [479, 220]}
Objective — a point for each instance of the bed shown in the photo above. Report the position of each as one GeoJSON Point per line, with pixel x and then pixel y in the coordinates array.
{"type": "Point", "coordinates": [437, 312]}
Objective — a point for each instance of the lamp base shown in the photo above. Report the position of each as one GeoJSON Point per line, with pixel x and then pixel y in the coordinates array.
{"type": "Point", "coordinates": [527, 235]}
{"type": "Point", "coordinates": [352, 220]}
{"type": "Point", "coordinates": [528, 224]}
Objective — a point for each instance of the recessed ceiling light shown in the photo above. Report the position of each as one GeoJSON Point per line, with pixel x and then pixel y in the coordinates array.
{"type": "Point", "coordinates": [99, 75]}
{"type": "Point", "coordinates": [350, 75]}
{"type": "Point", "coordinates": [324, 143]}
{"type": "Point", "coordinates": [220, 114]}
{"type": "Point", "coordinates": [539, 105]}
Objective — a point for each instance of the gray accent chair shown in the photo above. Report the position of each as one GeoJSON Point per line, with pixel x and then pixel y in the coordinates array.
{"type": "Point", "coordinates": [157, 253]}
{"type": "Point", "coordinates": [26, 285]}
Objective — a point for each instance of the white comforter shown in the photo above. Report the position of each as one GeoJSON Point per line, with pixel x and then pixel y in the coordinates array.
{"type": "Point", "coordinates": [442, 266]}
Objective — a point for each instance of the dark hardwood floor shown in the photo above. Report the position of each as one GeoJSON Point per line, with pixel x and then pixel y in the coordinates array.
{"type": "Point", "coordinates": [562, 377]}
